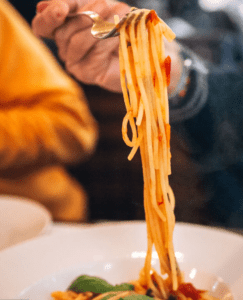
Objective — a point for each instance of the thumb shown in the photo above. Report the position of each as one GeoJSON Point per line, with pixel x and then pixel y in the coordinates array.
{"type": "Point", "coordinates": [50, 15]}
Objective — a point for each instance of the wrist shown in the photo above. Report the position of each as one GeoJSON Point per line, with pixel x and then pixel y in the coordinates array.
{"type": "Point", "coordinates": [191, 92]}
{"type": "Point", "coordinates": [190, 62]}
{"type": "Point", "coordinates": [180, 86]}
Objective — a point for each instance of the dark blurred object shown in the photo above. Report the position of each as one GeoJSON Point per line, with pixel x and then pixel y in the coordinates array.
{"type": "Point", "coordinates": [212, 35]}
{"type": "Point", "coordinates": [114, 184]}
{"type": "Point", "coordinates": [177, 8]}
{"type": "Point", "coordinates": [26, 8]}
{"type": "Point", "coordinates": [190, 11]}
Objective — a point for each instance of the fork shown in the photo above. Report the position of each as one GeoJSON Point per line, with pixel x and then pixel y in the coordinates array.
{"type": "Point", "coordinates": [102, 29]}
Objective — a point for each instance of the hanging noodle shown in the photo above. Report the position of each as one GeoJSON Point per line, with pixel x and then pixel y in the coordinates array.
{"type": "Point", "coordinates": [143, 77]}
{"type": "Point", "coordinates": [144, 80]}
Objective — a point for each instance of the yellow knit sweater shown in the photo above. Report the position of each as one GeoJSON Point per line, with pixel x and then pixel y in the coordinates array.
{"type": "Point", "coordinates": [45, 122]}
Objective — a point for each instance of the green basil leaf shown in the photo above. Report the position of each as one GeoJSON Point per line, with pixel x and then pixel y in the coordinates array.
{"type": "Point", "coordinates": [97, 285]}
{"type": "Point", "coordinates": [123, 287]}
{"type": "Point", "coordinates": [87, 283]}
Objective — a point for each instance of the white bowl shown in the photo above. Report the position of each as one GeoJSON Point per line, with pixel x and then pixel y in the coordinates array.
{"type": "Point", "coordinates": [211, 259]}
{"type": "Point", "coordinates": [21, 219]}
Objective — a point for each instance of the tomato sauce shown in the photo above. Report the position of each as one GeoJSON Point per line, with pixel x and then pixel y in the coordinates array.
{"type": "Point", "coordinates": [188, 290]}
{"type": "Point", "coordinates": [152, 17]}
{"type": "Point", "coordinates": [167, 65]}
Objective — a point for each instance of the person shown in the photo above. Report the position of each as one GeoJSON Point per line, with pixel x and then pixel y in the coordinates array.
{"type": "Point", "coordinates": [45, 123]}
{"type": "Point", "coordinates": [205, 112]}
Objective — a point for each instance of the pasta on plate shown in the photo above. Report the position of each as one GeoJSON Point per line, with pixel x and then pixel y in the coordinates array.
{"type": "Point", "coordinates": [145, 75]}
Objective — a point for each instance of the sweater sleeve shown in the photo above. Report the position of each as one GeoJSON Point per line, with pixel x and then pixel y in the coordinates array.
{"type": "Point", "coordinates": [43, 113]}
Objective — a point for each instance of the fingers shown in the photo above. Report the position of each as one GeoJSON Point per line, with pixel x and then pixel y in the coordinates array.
{"type": "Point", "coordinates": [49, 16]}
{"type": "Point", "coordinates": [77, 49]}
{"type": "Point", "coordinates": [41, 6]}
{"type": "Point", "coordinates": [89, 60]}
{"type": "Point", "coordinates": [78, 29]}
{"type": "Point", "coordinates": [106, 8]}
{"type": "Point", "coordinates": [100, 66]}
{"type": "Point", "coordinates": [111, 79]}
{"type": "Point", "coordinates": [75, 28]}
{"type": "Point", "coordinates": [52, 14]}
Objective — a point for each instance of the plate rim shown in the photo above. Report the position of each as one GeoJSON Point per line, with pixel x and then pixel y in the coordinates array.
{"type": "Point", "coordinates": [35, 241]}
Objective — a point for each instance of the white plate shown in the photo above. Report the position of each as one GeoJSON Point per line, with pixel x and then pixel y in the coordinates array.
{"type": "Point", "coordinates": [21, 219]}
{"type": "Point", "coordinates": [50, 262]}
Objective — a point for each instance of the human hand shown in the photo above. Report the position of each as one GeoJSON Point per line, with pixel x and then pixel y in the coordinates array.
{"type": "Point", "coordinates": [90, 60]}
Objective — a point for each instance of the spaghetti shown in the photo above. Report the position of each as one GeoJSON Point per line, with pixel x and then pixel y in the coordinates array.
{"type": "Point", "coordinates": [144, 86]}
{"type": "Point", "coordinates": [145, 75]}
{"type": "Point", "coordinates": [144, 70]}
